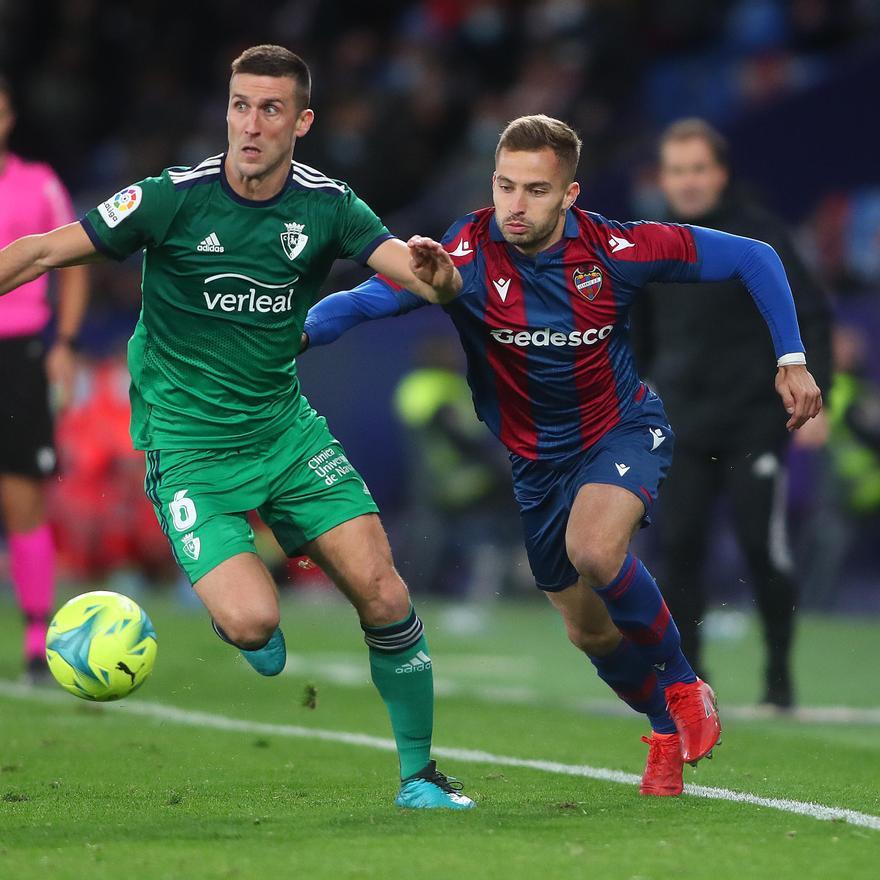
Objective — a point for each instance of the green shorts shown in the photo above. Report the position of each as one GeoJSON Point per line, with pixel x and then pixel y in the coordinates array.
{"type": "Point", "coordinates": [300, 483]}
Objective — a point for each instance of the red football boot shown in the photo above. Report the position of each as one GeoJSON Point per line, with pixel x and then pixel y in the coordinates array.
{"type": "Point", "coordinates": [662, 776]}
{"type": "Point", "coordinates": [694, 710]}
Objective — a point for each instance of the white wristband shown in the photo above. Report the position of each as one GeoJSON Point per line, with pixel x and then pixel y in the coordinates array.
{"type": "Point", "coordinates": [796, 357]}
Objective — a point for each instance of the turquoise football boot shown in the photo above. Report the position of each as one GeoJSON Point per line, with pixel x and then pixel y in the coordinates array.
{"type": "Point", "coordinates": [431, 790]}
{"type": "Point", "coordinates": [271, 658]}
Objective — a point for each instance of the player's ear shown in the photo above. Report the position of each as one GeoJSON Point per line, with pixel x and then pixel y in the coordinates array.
{"type": "Point", "coordinates": [571, 194]}
{"type": "Point", "coordinates": [304, 121]}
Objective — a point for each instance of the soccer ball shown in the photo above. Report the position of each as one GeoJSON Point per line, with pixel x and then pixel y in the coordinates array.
{"type": "Point", "coordinates": [101, 646]}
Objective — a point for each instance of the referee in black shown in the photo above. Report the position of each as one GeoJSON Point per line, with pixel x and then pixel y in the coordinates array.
{"type": "Point", "coordinates": [706, 349]}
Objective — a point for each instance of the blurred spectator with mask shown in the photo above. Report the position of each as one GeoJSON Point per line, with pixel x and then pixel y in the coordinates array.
{"type": "Point", "coordinates": [463, 527]}
{"type": "Point", "coordinates": [703, 348]}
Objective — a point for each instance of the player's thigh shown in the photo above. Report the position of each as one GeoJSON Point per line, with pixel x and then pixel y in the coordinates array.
{"type": "Point", "coordinates": [540, 494]}
{"type": "Point", "coordinates": [612, 493]}
{"type": "Point", "coordinates": [357, 556]}
{"type": "Point", "coordinates": [199, 499]}
{"type": "Point", "coordinates": [241, 596]}
{"type": "Point", "coordinates": [600, 527]}
{"type": "Point", "coordinates": [320, 505]}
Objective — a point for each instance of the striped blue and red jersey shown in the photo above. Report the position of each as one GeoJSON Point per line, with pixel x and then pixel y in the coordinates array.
{"type": "Point", "coordinates": [546, 338]}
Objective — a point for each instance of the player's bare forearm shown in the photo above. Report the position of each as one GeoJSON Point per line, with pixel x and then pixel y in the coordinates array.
{"type": "Point", "coordinates": [800, 394]}
{"type": "Point", "coordinates": [421, 266]}
{"type": "Point", "coordinates": [33, 255]}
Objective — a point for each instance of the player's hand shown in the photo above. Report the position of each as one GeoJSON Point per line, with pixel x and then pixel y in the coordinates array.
{"type": "Point", "coordinates": [800, 394]}
{"type": "Point", "coordinates": [303, 342]}
{"type": "Point", "coordinates": [430, 263]}
{"type": "Point", "coordinates": [61, 373]}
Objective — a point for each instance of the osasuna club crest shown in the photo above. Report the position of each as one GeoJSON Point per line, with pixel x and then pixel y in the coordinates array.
{"type": "Point", "coordinates": [588, 281]}
{"type": "Point", "coordinates": [294, 240]}
{"type": "Point", "coordinates": [192, 545]}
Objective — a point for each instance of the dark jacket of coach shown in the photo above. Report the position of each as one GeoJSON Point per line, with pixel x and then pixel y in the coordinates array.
{"type": "Point", "coordinates": [707, 350]}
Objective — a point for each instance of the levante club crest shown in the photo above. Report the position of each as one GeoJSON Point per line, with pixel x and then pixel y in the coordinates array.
{"type": "Point", "coordinates": [588, 281]}
{"type": "Point", "coordinates": [293, 240]}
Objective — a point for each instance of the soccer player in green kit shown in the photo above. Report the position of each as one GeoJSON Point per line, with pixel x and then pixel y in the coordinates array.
{"type": "Point", "coordinates": [235, 251]}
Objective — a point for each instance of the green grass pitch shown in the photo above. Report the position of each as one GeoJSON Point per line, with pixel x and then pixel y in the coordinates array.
{"type": "Point", "coordinates": [92, 793]}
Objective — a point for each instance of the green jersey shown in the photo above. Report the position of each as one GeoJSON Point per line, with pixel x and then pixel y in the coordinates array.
{"type": "Point", "coordinates": [226, 286]}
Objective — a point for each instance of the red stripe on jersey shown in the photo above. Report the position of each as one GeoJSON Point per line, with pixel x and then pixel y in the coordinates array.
{"type": "Point", "coordinates": [646, 242]}
{"type": "Point", "coordinates": [594, 377]}
{"type": "Point", "coordinates": [641, 392]}
{"type": "Point", "coordinates": [509, 363]}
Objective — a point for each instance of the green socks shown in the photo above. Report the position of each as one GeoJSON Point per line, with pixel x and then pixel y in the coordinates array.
{"type": "Point", "coordinates": [401, 670]}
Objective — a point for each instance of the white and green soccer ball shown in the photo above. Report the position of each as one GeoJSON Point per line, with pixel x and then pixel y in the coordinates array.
{"type": "Point", "coordinates": [101, 646]}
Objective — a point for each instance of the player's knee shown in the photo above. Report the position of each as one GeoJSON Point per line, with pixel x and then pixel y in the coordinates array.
{"type": "Point", "coordinates": [251, 628]}
{"type": "Point", "coordinates": [597, 564]}
{"type": "Point", "coordinates": [383, 599]}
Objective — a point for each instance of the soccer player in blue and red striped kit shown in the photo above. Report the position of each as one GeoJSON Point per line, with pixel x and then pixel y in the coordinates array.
{"type": "Point", "coordinates": [543, 319]}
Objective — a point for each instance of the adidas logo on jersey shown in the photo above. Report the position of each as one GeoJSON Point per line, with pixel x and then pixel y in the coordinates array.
{"type": "Point", "coordinates": [211, 245]}
{"type": "Point", "coordinates": [419, 663]}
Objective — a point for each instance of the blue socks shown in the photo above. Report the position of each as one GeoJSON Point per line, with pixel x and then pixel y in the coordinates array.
{"type": "Point", "coordinates": [627, 673]}
{"type": "Point", "coordinates": [637, 608]}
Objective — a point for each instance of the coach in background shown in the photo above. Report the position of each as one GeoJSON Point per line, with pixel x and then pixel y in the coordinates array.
{"type": "Point", "coordinates": [32, 201]}
{"type": "Point", "coordinates": [707, 351]}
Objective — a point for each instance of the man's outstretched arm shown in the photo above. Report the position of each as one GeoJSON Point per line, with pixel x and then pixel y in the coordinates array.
{"type": "Point", "coordinates": [757, 265]}
{"type": "Point", "coordinates": [376, 298]}
{"type": "Point", "coordinates": [421, 265]}
{"type": "Point", "coordinates": [33, 255]}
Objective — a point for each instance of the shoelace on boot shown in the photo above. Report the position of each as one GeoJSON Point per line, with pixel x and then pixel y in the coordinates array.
{"type": "Point", "coordinates": [431, 774]}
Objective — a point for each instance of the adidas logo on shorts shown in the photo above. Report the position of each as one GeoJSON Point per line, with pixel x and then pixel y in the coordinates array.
{"type": "Point", "coordinates": [419, 663]}
{"type": "Point", "coordinates": [211, 245]}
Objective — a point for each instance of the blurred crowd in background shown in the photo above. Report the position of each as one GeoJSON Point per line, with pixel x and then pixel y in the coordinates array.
{"type": "Point", "coordinates": [410, 99]}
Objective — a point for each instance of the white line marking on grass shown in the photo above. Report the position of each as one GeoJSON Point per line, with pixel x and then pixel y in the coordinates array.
{"type": "Point", "coordinates": [339, 669]}
{"type": "Point", "coordinates": [164, 712]}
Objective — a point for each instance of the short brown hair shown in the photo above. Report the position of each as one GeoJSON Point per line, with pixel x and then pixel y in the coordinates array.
{"type": "Point", "coordinates": [267, 60]}
{"type": "Point", "coordinates": [694, 127]}
{"type": "Point", "coordinates": [536, 132]}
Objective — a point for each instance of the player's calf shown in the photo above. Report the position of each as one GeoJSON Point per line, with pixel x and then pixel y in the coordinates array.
{"type": "Point", "coordinates": [269, 658]}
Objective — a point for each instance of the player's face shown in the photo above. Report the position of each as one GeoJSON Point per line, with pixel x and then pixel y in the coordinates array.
{"type": "Point", "coordinates": [691, 178]}
{"type": "Point", "coordinates": [7, 120]}
{"type": "Point", "coordinates": [263, 121]}
{"type": "Point", "coordinates": [531, 192]}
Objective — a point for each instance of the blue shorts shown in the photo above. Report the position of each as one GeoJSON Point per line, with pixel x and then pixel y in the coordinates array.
{"type": "Point", "coordinates": [636, 455]}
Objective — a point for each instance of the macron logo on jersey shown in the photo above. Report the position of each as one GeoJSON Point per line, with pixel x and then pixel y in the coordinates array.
{"type": "Point", "coordinates": [619, 244]}
{"type": "Point", "coordinates": [462, 249]}
{"type": "Point", "coordinates": [211, 245]}
{"type": "Point", "coordinates": [502, 285]}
